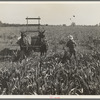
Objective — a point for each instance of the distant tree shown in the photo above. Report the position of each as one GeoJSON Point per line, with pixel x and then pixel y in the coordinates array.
{"type": "Point", "coordinates": [64, 24]}
{"type": "Point", "coordinates": [96, 25]}
{"type": "Point", "coordinates": [1, 23]}
{"type": "Point", "coordinates": [46, 24]}
{"type": "Point", "coordinates": [73, 24]}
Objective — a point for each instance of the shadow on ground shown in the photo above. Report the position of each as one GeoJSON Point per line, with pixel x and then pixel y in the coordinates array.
{"type": "Point", "coordinates": [8, 55]}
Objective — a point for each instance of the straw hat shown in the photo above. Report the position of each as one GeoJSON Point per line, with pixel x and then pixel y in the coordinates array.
{"type": "Point", "coordinates": [70, 37]}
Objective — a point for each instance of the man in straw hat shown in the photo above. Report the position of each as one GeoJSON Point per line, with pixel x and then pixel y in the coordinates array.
{"type": "Point", "coordinates": [71, 44]}
{"type": "Point", "coordinates": [24, 45]}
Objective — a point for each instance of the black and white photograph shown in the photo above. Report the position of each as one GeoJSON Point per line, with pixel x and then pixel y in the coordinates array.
{"type": "Point", "coordinates": [49, 48]}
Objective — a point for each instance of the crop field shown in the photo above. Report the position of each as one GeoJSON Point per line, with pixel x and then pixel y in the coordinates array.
{"type": "Point", "coordinates": [46, 75]}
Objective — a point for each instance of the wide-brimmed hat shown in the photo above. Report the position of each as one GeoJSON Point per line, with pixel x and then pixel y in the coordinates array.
{"type": "Point", "coordinates": [70, 37]}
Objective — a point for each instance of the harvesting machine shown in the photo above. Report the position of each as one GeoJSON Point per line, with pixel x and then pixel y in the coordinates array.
{"type": "Point", "coordinates": [36, 34]}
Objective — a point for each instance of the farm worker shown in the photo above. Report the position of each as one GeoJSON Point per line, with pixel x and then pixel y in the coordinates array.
{"type": "Point", "coordinates": [24, 44]}
{"type": "Point", "coordinates": [71, 44]}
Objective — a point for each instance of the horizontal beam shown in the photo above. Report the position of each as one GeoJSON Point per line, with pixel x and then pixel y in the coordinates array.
{"type": "Point", "coordinates": [33, 18]}
{"type": "Point", "coordinates": [33, 24]}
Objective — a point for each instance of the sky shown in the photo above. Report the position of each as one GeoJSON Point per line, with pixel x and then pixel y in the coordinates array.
{"type": "Point", "coordinates": [52, 13]}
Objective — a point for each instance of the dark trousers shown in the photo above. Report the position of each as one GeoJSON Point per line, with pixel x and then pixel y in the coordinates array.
{"type": "Point", "coordinates": [72, 53]}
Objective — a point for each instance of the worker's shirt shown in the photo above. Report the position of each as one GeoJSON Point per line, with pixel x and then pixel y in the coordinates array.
{"type": "Point", "coordinates": [71, 44]}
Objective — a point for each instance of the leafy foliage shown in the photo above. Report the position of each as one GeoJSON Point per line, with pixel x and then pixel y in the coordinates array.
{"type": "Point", "coordinates": [46, 75]}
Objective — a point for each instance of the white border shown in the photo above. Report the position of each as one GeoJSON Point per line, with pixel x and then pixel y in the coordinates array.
{"type": "Point", "coordinates": [51, 2]}
{"type": "Point", "coordinates": [51, 96]}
